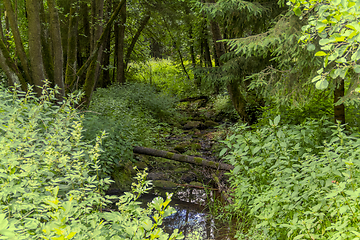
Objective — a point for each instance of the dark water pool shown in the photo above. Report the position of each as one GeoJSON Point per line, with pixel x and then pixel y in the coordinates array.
{"type": "Point", "coordinates": [192, 218]}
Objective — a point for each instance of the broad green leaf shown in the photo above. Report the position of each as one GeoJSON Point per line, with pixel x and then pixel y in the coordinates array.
{"type": "Point", "coordinates": [340, 39]}
{"type": "Point", "coordinates": [322, 84]}
{"type": "Point", "coordinates": [320, 53]}
{"type": "Point", "coordinates": [315, 79]}
{"type": "Point", "coordinates": [343, 72]}
{"type": "Point", "coordinates": [297, 11]}
{"type": "Point", "coordinates": [310, 47]}
{"type": "Point", "coordinates": [71, 235]}
{"type": "Point", "coordinates": [277, 120]}
{"type": "Point", "coordinates": [324, 41]}
{"type": "Point", "coordinates": [356, 56]}
{"type": "Point", "coordinates": [356, 68]}
{"type": "Point", "coordinates": [222, 152]}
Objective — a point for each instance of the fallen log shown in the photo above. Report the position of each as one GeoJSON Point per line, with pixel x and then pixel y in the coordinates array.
{"type": "Point", "coordinates": [182, 158]}
{"type": "Point", "coordinates": [192, 99]}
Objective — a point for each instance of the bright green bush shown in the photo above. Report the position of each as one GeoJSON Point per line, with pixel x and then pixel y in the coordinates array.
{"type": "Point", "coordinates": [167, 76]}
{"type": "Point", "coordinates": [296, 182]}
{"type": "Point", "coordinates": [50, 186]}
{"type": "Point", "coordinates": [131, 116]}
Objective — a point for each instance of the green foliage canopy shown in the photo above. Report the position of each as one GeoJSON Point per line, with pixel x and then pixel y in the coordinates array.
{"type": "Point", "coordinates": [332, 30]}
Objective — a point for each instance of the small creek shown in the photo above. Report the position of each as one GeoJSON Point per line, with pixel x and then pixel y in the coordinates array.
{"type": "Point", "coordinates": [192, 218]}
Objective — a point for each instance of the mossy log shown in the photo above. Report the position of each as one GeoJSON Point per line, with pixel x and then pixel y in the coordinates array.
{"type": "Point", "coordinates": [182, 158]}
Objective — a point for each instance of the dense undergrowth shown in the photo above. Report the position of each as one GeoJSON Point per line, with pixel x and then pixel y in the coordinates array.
{"type": "Point", "coordinates": [132, 115]}
{"type": "Point", "coordinates": [50, 182]}
{"type": "Point", "coordinates": [295, 181]}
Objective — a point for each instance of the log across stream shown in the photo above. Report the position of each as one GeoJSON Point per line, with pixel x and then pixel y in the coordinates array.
{"type": "Point", "coordinates": [182, 158]}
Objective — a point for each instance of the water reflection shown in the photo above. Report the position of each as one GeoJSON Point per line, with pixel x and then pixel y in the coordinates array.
{"type": "Point", "coordinates": [192, 218]}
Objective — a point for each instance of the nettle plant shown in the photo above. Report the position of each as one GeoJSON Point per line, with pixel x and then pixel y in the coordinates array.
{"type": "Point", "coordinates": [50, 186]}
{"type": "Point", "coordinates": [296, 182]}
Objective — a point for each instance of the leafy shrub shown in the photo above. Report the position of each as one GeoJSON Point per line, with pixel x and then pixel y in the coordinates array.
{"type": "Point", "coordinates": [296, 182]}
{"type": "Point", "coordinates": [49, 181]}
{"type": "Point", "coordinates": [130, 116]}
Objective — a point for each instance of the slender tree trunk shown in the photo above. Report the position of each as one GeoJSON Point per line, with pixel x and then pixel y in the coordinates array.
{"type": "Point", "coordinates": [120, 67]}
{"type": "Point", "coordinates": [36, 59]}
{"type": "Point", "coordinates": [216, 34]}
{"type": "Point", "coordinates": [105, 79]}
{"type": "Point", "coordinates": [98, 32]}
{"type": "Point", "coordinates": [20, 51]}
{"type": "Point", "coordinates": [143, 23]}
{"type": "Point", "coordinates": [2, 37]}
{"type": "Point", "coordinates": [116, 46]}
{"type": "Point", "coordinates": [205, 43]}
{"type": "Point", "coordinates": [339, 109]}
{"type": "Point", "coordinates": [191, 48]}
{"type": "Point", "coordinates": [177, 49]}
{"type": "Point", "coordinates": [57, 47]}
{"type": "Point", "coordinates": [71, 63]}
{"type": "Point", "coordinates": [46, 44]}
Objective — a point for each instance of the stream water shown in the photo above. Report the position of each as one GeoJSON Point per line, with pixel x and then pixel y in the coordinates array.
{"type": "Point", "coordinates": [192, 219]}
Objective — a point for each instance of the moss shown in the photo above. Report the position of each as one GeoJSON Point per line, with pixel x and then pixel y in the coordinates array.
{"type": "Point", "coordinates": [182, 158]}
{"type": "Point", "coordinates": [169, 155]}
{"type": "Point", "coordinates": [198, 160]}
{"type": "Point", "coordinates": [164, 184]}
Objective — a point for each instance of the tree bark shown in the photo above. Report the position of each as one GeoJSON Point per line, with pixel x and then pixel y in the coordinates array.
{"type": "Point", "coordinates": [71, 63]}
{"type": "Point", "coordinates": [98, 32]}
{"type": "Point", "coordinates": [182, 158]}
{"type": "Point", "coordinates": [143, 23]}
{"type": "Point", "coordinates": [36, 59]}
{"type": "Point", "coordinates": [9, 67]}
{"type": "Point", "coordinates": [57, 48]}
{"type": "Point", "coordinates": [1, 28]}
{"type": "Point", "coordinates": [19, 46]}
{"type": "Point", "coordinates": [90, 76]}
{"type": "Point", "coordinates": [105, 78]}
{"type": "Point", "coordinates": [46, 43]}
{"type": "Point", "coordinates": [339, 109]}
{"type": "Point", "coordinates": [120, 50]}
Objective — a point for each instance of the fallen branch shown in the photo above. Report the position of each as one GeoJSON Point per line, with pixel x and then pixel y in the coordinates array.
{"type": "Point", "coordinates": [182, 158]}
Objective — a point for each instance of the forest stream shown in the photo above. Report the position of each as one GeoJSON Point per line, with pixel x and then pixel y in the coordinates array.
{"type": "Point", "coordinates": [191, 200]}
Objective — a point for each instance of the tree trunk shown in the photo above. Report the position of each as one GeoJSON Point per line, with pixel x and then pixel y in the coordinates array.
{"type": "Point", "coordinates": [36, 59]}
{"type": "Point", "coordinates": [71, 63]}
{"type": "Point", "coordinates": [120, 67]}
{"type": "Point", "coordinates": [339, 109]}
{"type": "Point", "coordinates": [57, 48]}
{"type": "Point", "coordinates": [105, 79]}
{"type": "Point", "coordinates": [207, 55]}
{"type": "Point", "coordinates": [177, 49]}
{"type": "Point", "coordinates": [98, 33]}
{"type": "Point", "coordinates": [9, 67]}
{"type": "Point", "coordinates": [237, 99]}
{"type": "Point", "coordinates": [20, 51]}
{"type": "Point", "coordinates": [47, 54]}
{"type": "Point", "coordinates": [90, 76]}
{"type": "Point", "coordinates": [2, 37]}
{"type": "Point", "coordinates": [182, 158]}
{"type": "Point", "coordinates": [143, 23]}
